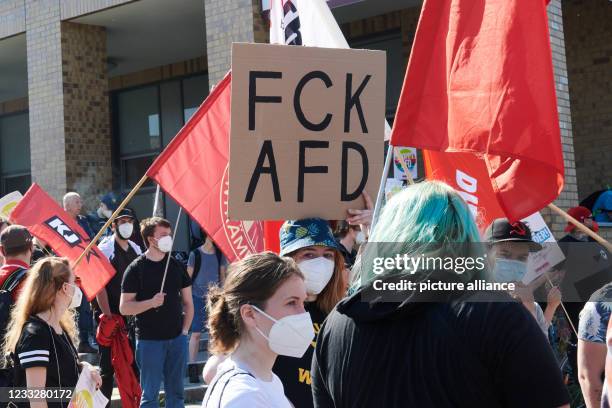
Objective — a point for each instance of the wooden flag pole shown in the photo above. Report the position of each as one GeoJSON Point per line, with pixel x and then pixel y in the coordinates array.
{"type": "Point", "coordinates": [111, 219]}
{"type": "Point", "coordinates": [569, 319]}
{"type": "Point", "coordinates": [581, 227]}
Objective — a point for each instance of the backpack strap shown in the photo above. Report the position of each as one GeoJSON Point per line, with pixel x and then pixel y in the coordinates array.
{"type": "Point", "coordinates": [14, 279]}
{"type": "Point", "coordinates": [197, 264]}
{"type": "Point", "coordinates": [233, 373]}
{"type": "Point", "coordinates": [219, 257]}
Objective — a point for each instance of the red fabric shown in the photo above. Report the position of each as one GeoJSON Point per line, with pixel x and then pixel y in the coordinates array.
{"type": "Point", "coordinates": [193, 170]}
{"type": "Point", "coordinates": [271, 235]}
{"type": "Point", "coordinates": [480, 79]}
{"type": "Point", "coordinates": [112, 333]}
{"type": "Point", "coordinates": [10, 266]}
{"type": "Point", "coordinates": [467, 174]}
{"type": "Point", "coordinates": [46, 220]}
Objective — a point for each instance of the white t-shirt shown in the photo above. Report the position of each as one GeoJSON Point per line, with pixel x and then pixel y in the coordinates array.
{"type": "Point", "coordinates": [235, 387]}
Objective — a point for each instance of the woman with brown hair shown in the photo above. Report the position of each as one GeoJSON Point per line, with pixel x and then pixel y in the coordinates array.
{"type": "Point", "coordinates": [257, 315]}
{"type": "Point", "coordinates": [41, 333]}
{"type": "Point", "coordinates": [311, 244]}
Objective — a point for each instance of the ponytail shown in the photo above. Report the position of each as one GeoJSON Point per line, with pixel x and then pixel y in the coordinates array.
{"type": "Point", "coordinates": [222, 329]}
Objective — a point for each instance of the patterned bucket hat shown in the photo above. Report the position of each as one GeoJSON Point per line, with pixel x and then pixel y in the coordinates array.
{"type": "Point", "coordinates": [298, 234]}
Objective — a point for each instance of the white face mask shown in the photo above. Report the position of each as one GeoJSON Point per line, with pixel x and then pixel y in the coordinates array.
{"type": "Point", "coordinates": [164, 244]}
{"type": "Point", "coordinates": [289, 336]}
{"type": "Point", "coordinates": [360, 238]}
{"type": "Point", "coordinates": [317, 274]}
{"type": "Point", "coordinates": [77, 296]}
{"type": "Point", "coordinates": [104, 212]}
{"type": "Point", "coordinates": [126, 230]}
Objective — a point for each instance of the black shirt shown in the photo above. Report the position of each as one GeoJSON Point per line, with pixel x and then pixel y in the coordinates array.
{"type": "Point", "coordinates": [144, 277]}
{"type": "Point", "coordinates": [294, 373]}
{"type": "Point", "coordinates": [434, 355]}
{"type": "Point", "coordinates": [120, 261]}
{"type": "Point", "coordinates": [40, 346]}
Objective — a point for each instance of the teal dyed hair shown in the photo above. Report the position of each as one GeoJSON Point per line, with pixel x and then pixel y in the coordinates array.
{"type": "Point", "coordinates": [428, 218]}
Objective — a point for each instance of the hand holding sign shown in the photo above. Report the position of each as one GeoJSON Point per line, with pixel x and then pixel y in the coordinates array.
{"type": "Point", "coordinates": [363, 218]}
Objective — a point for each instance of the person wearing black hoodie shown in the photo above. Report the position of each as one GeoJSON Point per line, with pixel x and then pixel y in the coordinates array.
{"type": "Point", "coordinates": [437, 349]}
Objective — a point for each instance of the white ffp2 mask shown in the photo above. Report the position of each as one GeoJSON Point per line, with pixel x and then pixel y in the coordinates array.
{"type": "Point", "coordinates": [126, 230]}
{"type": "Point", "coordinates": [165, 244]}
{"type": "Point", "coordinates": [317, 274]}
{"type": "Point", "coordinates": [77, 296]}
{"type": "Point", "coordinates": [289, 336]}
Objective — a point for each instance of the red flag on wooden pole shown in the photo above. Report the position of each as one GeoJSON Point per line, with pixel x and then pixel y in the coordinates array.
{"type": "Point", "coordinates": [480, 80]}
{"type": "Point", "coordinates": [193, 170]}
{"type": "Point", "coordinates": [46, 220]}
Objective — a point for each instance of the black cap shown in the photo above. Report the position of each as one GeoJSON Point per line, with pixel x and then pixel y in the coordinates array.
{"type": "Point", "coordinates": [126, 213]}
{"type": "Point", "coordinates": [501, 230]}
{"type": "Point", "coordinates": [14, 237]}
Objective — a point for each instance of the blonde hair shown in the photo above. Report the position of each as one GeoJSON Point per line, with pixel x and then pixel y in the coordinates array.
{"type": "Point", "coordinates": [38, 294]}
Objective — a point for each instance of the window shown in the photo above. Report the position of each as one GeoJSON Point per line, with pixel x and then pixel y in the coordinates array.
{"type": "Point", "coordinates": [14, 153]}
{"type": "Point", "coordinates": [396, 67]}
{"type": "Point", "coordinates": [195, 90]}
{"type": "Point", "coordinates": [145, 120]}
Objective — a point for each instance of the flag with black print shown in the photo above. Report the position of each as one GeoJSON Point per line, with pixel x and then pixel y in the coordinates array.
{"type": "Point", "coordinates": [291, 24]}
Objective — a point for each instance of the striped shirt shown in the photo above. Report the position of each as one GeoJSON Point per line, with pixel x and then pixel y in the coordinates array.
{"type": "Point", "coordinates": [40, 346]}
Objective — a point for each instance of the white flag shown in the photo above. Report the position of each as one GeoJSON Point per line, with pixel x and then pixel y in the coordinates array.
{"type": "Point", "coordinates": [312, 22]}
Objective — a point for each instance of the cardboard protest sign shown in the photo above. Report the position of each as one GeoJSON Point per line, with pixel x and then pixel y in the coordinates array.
{"type": "Point", "coordinates": [392, 187]}
{"type": "Point", "coordinates": [306, 130]}
{"type": "Point", "coordinates": [549, 256]}
{"type": "Point", "coordinates": [85, 393]}
{"type": "Point", "coordinates": [409, 156]}
{"type": "Point", "coordinates": [8, 202]}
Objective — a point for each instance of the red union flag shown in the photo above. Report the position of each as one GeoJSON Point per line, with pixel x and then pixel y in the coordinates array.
{"type": "Point", "coordinates": [46, 220]}
{"type": "Point", "coordinates": [193, 171]}
{"type": "Point", "coordinates": [467, 174]}
{"type": "Point", "coordinates": [480, 80]}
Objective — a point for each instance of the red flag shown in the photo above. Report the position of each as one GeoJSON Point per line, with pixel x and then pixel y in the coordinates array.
{"type": "Point", "coordinates": [272, 235]}
{"type": "Point", "coordinates": [480, 79]}
{"type": "Point", "coordinates": [467, 174]}
{"type": "Point", "coordinates": [193, 170]}
{"type": "Point", "coordinates": [46, 220]}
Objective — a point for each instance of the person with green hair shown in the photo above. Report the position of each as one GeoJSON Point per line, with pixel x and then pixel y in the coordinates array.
{"type": "Point", "coordinates": [394, 344]}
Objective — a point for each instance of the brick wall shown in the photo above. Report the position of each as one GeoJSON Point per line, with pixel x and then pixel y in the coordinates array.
{"type": "Point", "coordinates": [45, 94]}
{"type": "Point", "coordinates": [12, 17]}
{"type": "Point", "coordinates": [86, 111]}
{"type": "Point", "coordinates": [588, 36]}
{"type": "Point", "coordinates": [227, 22]}
{"type": "Point", "coordinates": [569, 196]}
{"type": "Point", "coordinates": [68, 103]}
{"type": "Point", "coordinates": [74, 8]}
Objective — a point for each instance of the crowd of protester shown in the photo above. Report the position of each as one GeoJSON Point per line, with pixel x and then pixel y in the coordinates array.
{"type": "Point", "coordinates": [305, 327]}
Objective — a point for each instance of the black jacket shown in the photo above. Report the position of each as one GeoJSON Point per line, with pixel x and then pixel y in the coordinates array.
{"type": "Point", "coordinates": [489, 353]}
